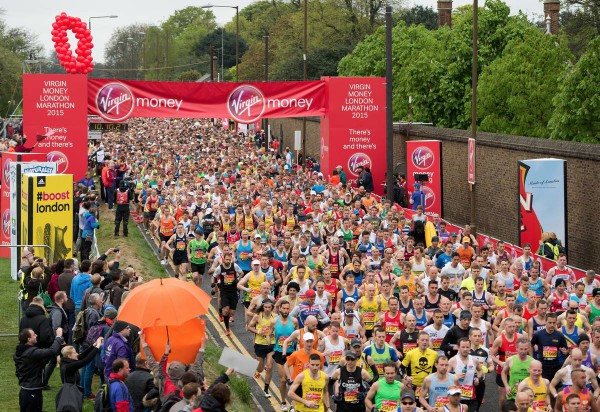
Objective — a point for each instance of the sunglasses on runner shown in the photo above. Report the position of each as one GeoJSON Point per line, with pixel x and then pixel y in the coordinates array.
{"type": "Point", "coordinates": [408, 403]}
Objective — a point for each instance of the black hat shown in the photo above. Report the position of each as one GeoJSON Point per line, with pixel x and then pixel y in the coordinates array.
{"type": "Point", "coordinates": [119, 326]}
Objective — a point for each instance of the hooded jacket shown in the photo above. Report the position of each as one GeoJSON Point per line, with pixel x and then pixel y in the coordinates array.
{"type": "Point", "coordinates": [208, 402]}
{"type": "Point", "coordinates": [78, 286]}
{"type": "Point", "coordinates": [30, 362]}
{"type": "Point", "coordinates": [89, 224]}
{"type": "Point", "coordinates": [36, 319]}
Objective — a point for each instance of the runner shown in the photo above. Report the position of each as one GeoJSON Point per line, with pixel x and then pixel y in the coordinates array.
{"type": "Point", "coordinates": [264, 340]}
{"type": "Point", "coordinates": [197, 254]}
{"type": "Point", "coordinates": [349, 384]}
{"type": "Point", "coordinates": [419, 363]}
{"type": "Point", "coordinates": [180, 253]}
{"type": "Point", "coordinates": [435, 390]}
{"type": "Point", "coordinates": [283, 326]}
{"type": "Point", "coordinates": [517, 366]}
{"type": "Point", "coordinates": [385, 393]}
{"type": "Point", "coordinates": [226, 277]}
{"type": "Point", "coordinates": [468, 371]}
{"type": "Point", "coordinates": [539, 386]}
{"type": "Point", "coordinates": [313, 383]}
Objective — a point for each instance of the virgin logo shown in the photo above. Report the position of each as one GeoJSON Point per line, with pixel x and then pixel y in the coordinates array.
{"type": "Point", "coordinates": [6, 172]}
{"type": "Point", "coordinates": [114, 101]}
{"type": "Point", "coordinates": [246, 104]}
{"type": "Point", "coordinates": [357, 160]}
{"type": "Point", "coordinates": [6, 222]}
{"type": "Point", "coordinates": [429, 197]}
{"type": "Point", "coordinates": [62, 162]}
{"type": "Point", "coordinates": [423, 157]}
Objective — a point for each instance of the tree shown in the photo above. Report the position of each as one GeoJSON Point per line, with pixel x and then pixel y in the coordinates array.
{"type": "Point", "coordinates": [577, 113]}
{"type": "Point", "coordinates": [125, 51]}
{"type": "Point", "coordinates": [516, 90]}
{"type": "Point", "coordinates": [188, 76]}
{"type": "Point", "coordinates": [419, 15]}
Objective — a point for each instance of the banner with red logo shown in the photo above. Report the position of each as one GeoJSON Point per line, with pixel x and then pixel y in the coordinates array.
{"type": "Point", "coordinates": [117, 100]}
{"type": "Point", "coordinates": [542, 200]}
{"type": "Point", "coordinates": [425, 157]}
{"type": "Point", "coordinates": [55, 114]}
{"type": "Point", "coordinates": [7, 161]}
{"type": "Point", "coordinates": [353, 131]}
{"type": "Point", "coordinates": [471, 168]}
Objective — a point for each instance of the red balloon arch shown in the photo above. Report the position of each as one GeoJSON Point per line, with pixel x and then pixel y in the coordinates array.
{"type": "Point", "coordinates": [82, 62]}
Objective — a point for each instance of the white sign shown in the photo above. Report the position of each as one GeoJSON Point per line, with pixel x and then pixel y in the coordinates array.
{"type": "Point", "coordinates": [94, 134]}
{"type": "Point", "coordinates": [238, 362]}
{"type": "Point", "coordinates": [15, 171]}
{"type": "Point", "coordinates": [298, 140]}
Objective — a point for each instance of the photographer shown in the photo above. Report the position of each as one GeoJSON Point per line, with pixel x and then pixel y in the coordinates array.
{"type": "Point", "coordinates": [123, 196]}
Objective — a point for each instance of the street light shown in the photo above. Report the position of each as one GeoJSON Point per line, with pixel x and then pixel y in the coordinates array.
{"type": "Point", "coordinates": [474, 109]}
{"type": "Point", "coordinates": [237, 32]}
{"type": "Point", "coordinates": [99, 17]}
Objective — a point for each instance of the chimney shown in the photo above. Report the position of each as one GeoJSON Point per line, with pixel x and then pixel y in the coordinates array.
{"type": "Point", "coordinates": [444, 13]}
{"type": "Point", "coordinates": [551, 13]}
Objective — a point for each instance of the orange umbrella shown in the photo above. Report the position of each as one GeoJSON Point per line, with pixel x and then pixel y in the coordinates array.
{"type": "Point", "coordinates": [185, 340]}
{"type": "Point", "coordinates": [163, 302]}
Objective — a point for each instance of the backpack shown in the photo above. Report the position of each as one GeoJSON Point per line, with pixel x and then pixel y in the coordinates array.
{"type": "Point", "coordinates": [102, 401]}
{"type": "Point", "coordinates": [69, 398]}
{"type": "Point", "coordinates": [94, 333]}
{"type": "Point", "coordinates": [171, 400]}
{"type": "Point", "coordinates": [80, 328]}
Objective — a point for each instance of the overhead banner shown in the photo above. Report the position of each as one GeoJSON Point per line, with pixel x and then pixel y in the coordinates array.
{"type": "Point", "coordinates": [7, 159]}
{"type": "Point", "coordinates": [118, 100]}
{"type": "Point", "coordinates": [353, 131]}
{"type": "Point", "coordinates": [425, 157]}
{"type": "Point", "coordinates": [55, 105]}
{"type": "Point", "coordinates": [16, 170]}
{"type": "Point", "coordinates": [542, 200]}
{"type": "Point", "coordinates": [47, 214]}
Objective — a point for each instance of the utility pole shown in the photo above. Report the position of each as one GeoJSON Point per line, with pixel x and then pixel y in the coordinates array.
{"type": "Point", "coordinates": [474, 110]}
{"type": "Point", "coordinates": [266, 80]}
{"type": "Point", "coordinates": [212, 65]}
{"type": "Point", "coordinates": [389, 81]}
{"type": "Point", "coordinates": [304, 57]}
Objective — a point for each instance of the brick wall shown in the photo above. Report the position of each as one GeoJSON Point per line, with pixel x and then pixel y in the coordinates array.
{"type": "Point", "coordinates": [497, 181]}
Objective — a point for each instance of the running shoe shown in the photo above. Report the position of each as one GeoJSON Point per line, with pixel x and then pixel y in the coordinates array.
{"type": "Point", "coordinates": [257, 375]}
{"type": "Point", "coordinates": [227, 332]}
{"type": "Point", "coordinates": [267, 394]}
{"type": "Point", "coordinates": [163, 262]}
{"type": "Point", "coordinates": [283, 407]}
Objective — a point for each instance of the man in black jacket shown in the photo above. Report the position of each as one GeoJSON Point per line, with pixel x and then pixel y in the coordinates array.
{"type": "Point", "coordinates": [139, 382]}
{"type": "Point", "coordinates": [460, 330]}
{"type": "Point", "coordinates": [29, 362]}
{"type": "Point", "coordinates": [35, 318]}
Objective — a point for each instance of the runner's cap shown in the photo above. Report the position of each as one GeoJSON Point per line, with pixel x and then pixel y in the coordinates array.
{"type": "Point", "coordinates": [350, 299]}
{"type": "Point", "coordinates": [350, 354]}
{"type": "Point", "coordinates": [408, 394]}
{"type": "Point", "coordinates": [355, 342]}
{"type": "Point", "coordinates": [466, 239]}
{"type": "Point", "coordinates": [310, 294]}
{"type": "Point", "coordinates": [308, 336]}
{"type": "Point", "coordinates": [199, 231]}
{"type": "Point", "coordinates": [454, 390]}
{"type": "Point", "coordinates": [256, 262]}
{"type": "Point", "coordinates": [596, 292]}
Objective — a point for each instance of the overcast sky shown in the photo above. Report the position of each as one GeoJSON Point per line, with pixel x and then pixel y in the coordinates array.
{"type": "Point", "coordinates": [37, 16]}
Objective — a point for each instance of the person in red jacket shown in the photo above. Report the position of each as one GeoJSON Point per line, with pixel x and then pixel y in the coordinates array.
{"type": "Point", "coordinates": [109, 175]}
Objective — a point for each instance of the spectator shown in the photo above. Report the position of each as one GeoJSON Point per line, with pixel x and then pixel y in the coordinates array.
{"type": "Point", "coordinates": [35, 284]}
{"type": "Point", "coordinates": [116, 347]}
{"type": "Point", "coordinates": [80, 283]}
{"type": "Point", "coordinates": [64, 284]}
{"type": "Point", "coordinates": [58, 319]}
{"type": "Point", "coordinates": [35, 319]}
{"type": "Point", "coordinates": [109, 175]}
{"type": "Point", "coordinates": [92, 318]}
{"type": "Point", "coordinates": [140, 382]}
{"type": "Point", "coordinates": [120, 399]}
{"type": "Point", "coordinates": [71, 361]}
{"type": "Point", "coordinates": [116, 288]}
{"type": "Point", "coordinates": [57, 269]}
{"type": "Point", "coordinates": [87, 234]}
{"type": "Point", "coordinates": [29, 362]}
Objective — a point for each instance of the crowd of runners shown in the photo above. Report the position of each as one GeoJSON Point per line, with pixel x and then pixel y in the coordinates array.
{"type": "Point", "coordinates": [356, 306]}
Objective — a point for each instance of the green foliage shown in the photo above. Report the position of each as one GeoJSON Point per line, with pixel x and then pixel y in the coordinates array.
{"type": "Point", "coordinates": [419, 15]}
{"type": "Point", "coordinates": [577, 114]}
{"type": "Point", "coordinates": [516, 90]}
{"type": "Point", "coordinates": [188, 76]}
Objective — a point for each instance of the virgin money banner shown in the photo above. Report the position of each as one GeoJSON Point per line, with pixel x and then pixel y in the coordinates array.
{"type": "Point", "coordinates": [425, 157]}
{"type": "Point", "coordinates": [55, 114]}
{"type": "Point", "coordinates": [117, 100]}
{"type": "Point", "coordinates": [542, 200]}
{"type": "Point", "coordinates": [7, 161]}
{"type": "Point", "coordinates": [353, 130]}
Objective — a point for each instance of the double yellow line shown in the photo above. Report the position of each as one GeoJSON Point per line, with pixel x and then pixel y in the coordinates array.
{"type": "Point", "coordinates": [235, 344]}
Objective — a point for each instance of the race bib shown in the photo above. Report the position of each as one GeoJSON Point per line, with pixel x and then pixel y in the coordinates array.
{"type": "Point", "coordinates": [254, 293]}
{"type": "Point", "coordinates": [417, 391]}
{"type": "Point", "coordinates": [538, 405]}
{"type": "Point", "coordinates": [441, 401]}
{"type": "Point", "coordinates": [335, 356]}
{"type": "Point", "coordinates": [351, 396]}
{"type": "Point", "coordinates": [281, 340]}
{"type": "Point", "coordinates": [388, 405]}
{"type": "Point", "coordinates": [229, 279]}
{"type": "Point", "coordinates": [436, 343]}
{"type": "Point", "coordinates": [180, 246]}
{"type": "Point", "coordinates": [549, 352]}
{"type": "Point", "coordinates": [369, 318]}
{"type": "Point", "coordinates": [198, 254]}
{"type": "Point", "coordinates": [409, 346]}
{"type": "Point", "coordinates": [391, 329]}
{"type": "Point", "coordinates": [466, 391]}
{"type": "Point", "coordinates": [313, 396]}
{"type": "Point", "coordinates": [334, 268]}
{"type": "Point", "coordinates": [244, 255]}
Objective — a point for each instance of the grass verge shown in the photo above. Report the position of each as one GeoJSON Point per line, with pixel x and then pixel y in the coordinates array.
{"type": "Point", "coordinates": [139, 254]}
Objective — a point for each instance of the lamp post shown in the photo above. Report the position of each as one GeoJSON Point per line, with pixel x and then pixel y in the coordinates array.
{"type": "Point", "coordinates": [112, 16]}
{"type": "Point", "coordinates": [237, 33]}
{"type": "Point", "coordinates": [305, 76]}
{"type": "Point", "coordinates": [99, 17]}
{"type": "Point", "coordinates": [129, 45]}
